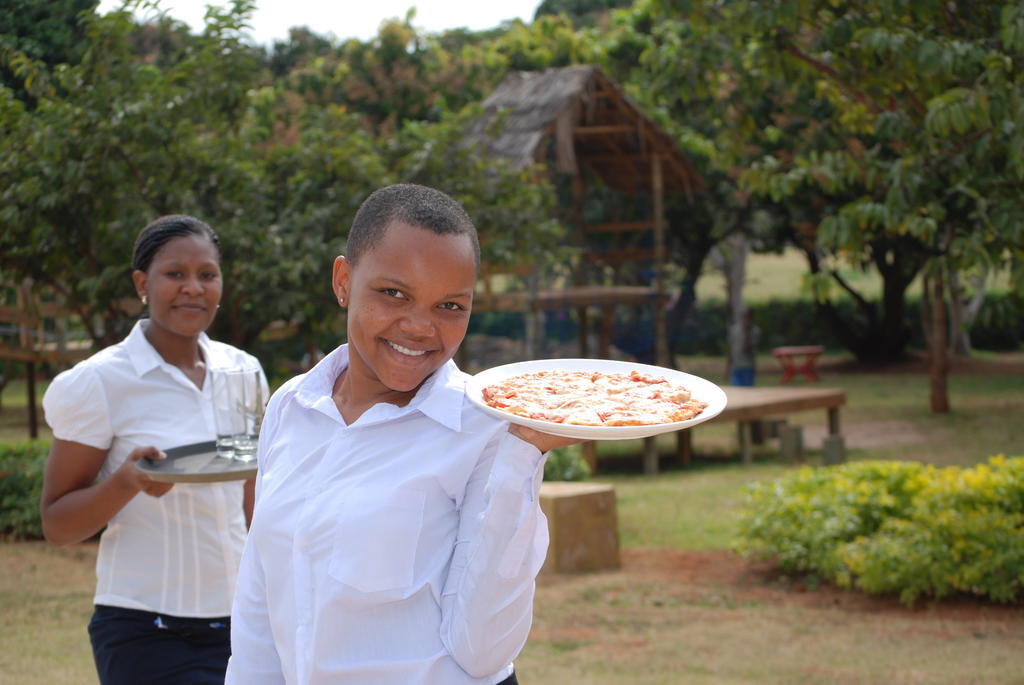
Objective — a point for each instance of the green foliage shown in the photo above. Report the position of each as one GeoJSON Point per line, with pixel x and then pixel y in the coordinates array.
{"type": "Point", "coordinates": [21, 484]}
{"type": "Point", "coordinates": [49, 32]}
{"type": "Point", "coordinates": [883, 135]}
{"type": "Point", "coordinates": [154, 120]}
{"type": "Point", "coordinates": [111, 145]}
{"type": "Point", "coordinates": [578, 9]}
{"type": "Point", "coordinates": [566, 464]}
{"type": "Point", "coordinates": [896, 527]}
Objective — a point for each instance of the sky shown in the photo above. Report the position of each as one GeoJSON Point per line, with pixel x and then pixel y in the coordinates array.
{"type": "Point", "coordinates": [353, 18]}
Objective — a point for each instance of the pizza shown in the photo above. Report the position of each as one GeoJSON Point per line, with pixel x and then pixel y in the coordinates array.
{"type": "Point", "coordinates": [593, 398]}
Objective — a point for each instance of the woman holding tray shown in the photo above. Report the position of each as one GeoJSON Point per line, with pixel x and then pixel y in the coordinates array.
{"type": "Point", "coordinates": [398, 531]}
{"type": "Point", "coordinates": [169, 553]}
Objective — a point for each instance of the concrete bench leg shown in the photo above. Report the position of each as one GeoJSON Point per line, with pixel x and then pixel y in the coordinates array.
{"type": "Point", "coordinates": [684, 447]}
{"type": "Point", "coordinates": [746, 453]}
{"type": "Point", "coordinates": [650, 456]}
{"type": "Point", "coordinates": [589, 450]}
{"type": "Point", "coordinates": [757, 432]}
{"type": "Point", "coordinates": [791, 440]}
{"type": "Point", "coordinates": [833, 450]}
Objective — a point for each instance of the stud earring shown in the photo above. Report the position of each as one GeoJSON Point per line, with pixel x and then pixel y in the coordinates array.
{"type": "Point", "coordinates": [341, 300]}
{"type": "Point", "coordinates": [145, 300]}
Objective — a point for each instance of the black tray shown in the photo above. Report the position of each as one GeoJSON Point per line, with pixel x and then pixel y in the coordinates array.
{"type": "Point", "coordinates": [196, 463]}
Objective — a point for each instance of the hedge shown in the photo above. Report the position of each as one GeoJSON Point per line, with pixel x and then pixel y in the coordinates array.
{"type": "Point", "coordinates": [999, 326]}
{"type": "Point", "coordinates": [895, 527]}
{"type": "Point", "coordinates": [21, 483]}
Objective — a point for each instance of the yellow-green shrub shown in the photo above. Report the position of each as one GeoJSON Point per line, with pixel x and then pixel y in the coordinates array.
{"type": "Point", "coordinates": [896, 527]}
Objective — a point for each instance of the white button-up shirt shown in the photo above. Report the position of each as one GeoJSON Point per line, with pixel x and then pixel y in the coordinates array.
{"type": "Point", "coordinates": [399, 550]}
{"type": "Point", "coordinates": [177, 554]}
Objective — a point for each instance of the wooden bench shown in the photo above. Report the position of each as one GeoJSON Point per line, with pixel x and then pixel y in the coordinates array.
{"type": "Point", "coordinates": [583, 526]}
{"type": "Point", "coordinates": [746, 406]}
{"type": "Point", "coordinates": [789, 357]}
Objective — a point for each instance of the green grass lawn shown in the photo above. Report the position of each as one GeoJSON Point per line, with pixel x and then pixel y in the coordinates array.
{"type": "Point", "coordinates": [780, 277]}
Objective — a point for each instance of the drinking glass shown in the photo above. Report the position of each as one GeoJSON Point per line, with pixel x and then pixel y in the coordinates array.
{"type": "Point", "coordinates": [239, 399]}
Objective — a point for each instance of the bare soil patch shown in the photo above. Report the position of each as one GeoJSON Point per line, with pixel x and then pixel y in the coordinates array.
{"type": "Point", "coordinates": [710, 617]}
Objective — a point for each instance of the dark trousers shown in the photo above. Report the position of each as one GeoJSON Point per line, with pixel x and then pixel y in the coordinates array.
{"type": "Point", "coordinates": [511, 680]}
{"type": "Point", "coordinates": [134, 647]}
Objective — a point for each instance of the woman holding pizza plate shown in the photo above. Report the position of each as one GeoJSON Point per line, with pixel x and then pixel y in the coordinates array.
{"type": "Point", "coordinates": [397, 532]}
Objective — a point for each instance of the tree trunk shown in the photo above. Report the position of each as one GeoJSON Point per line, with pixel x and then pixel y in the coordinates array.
{"type": "Point", "coordinates": [926, 312]}
{"type": "Point", "coordinates": [877, 332]}
{"type": "Point", "coordinates": [680, 307]}
{"type": "Point", "coordinates": [730, 257]}
{"type": "Point", "coordinates": [964, 312]}
{"type": "Point", "coordinates": [938, 356]}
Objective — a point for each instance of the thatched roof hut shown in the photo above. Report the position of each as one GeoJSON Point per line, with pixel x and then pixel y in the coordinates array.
{"type": "Point", "coordinates": [589, 119]}
{"type": "Point", "coordinates": [573, 119]}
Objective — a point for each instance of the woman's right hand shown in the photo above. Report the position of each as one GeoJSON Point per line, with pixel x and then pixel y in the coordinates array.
{"type": "Point", "coordinates": [129, 473]}
{"type": "Point", "coordinates": [74, 504]}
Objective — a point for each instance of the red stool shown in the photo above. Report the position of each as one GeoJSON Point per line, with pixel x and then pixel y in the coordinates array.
{"type": "Point", "coordinates": [789, 358]}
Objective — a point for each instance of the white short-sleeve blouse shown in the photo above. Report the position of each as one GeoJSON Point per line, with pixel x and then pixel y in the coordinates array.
{"type": "Point", "coordinates": [177, 554]}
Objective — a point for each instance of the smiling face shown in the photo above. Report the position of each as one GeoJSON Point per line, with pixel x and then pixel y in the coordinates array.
{"type": "Point", "coordinates": [183, 286]}
{"type": "Point", "coordinates": [409, 299]}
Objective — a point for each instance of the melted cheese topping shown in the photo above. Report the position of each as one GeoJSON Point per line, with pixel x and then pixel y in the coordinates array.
{"type": "Point", "coordinates": [593, 398]}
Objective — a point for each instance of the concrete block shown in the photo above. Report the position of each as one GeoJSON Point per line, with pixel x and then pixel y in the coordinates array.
{"type": "Point", "coordinates": [583, 526]}
{"type": "Point", "coordinates": [791, 441]}
{"type": "Point", "coordinates": [833, 450]}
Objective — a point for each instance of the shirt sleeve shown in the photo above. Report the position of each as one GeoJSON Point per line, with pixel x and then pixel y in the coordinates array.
{"type": "Point", "coordinates": [254, 658]}
{"type": "Point", "coordinates": [76, 409]}
{"type": "Point", "coordinates": [487, 602]}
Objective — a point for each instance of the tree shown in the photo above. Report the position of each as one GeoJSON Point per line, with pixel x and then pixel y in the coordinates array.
{"type": "Point", "coordinates": [582, 11]}
{"type": "Point", "coordinates": [930, 106]}
{"type": "Point", "coordinates": [687, 80]}
{"type": "Point", "coordinates": [49, 32]}
{"type": "Point", "coordinates": [191, 127]}
{"type": "Point", "coordinates": [883, 135]}
{"type": "Point", "coordinates": [403, 74]}
{"type": "Point", "coordinates": [111, 144]}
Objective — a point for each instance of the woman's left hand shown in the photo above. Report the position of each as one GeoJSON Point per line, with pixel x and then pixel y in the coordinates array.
{"type": "Point", "coordinates": [545, 442]}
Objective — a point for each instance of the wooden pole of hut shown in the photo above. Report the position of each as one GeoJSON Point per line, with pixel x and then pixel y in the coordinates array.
{"type": "Point", "coordinates": [660, 328]}
{"type": "Point", "coordinates": [660, 347]}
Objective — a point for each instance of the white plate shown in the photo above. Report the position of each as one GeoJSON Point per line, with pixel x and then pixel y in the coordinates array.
{"type": "Point", "coordinates": [699, 388]}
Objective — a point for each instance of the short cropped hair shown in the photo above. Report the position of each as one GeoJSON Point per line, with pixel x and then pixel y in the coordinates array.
{"type": "Point", "coordinates": [160, 231]}
{"type": "Point", "coordinates": [410, 204]}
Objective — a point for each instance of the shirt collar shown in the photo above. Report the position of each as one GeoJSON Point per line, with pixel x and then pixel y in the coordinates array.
{"type": "Point", "coordinates": [439, 398]}
{"type": "Point", "coordinates": [144, 356]}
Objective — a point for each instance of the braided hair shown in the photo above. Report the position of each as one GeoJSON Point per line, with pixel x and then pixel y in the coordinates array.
{"type": "Point", "coordinates": [161, 231]}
